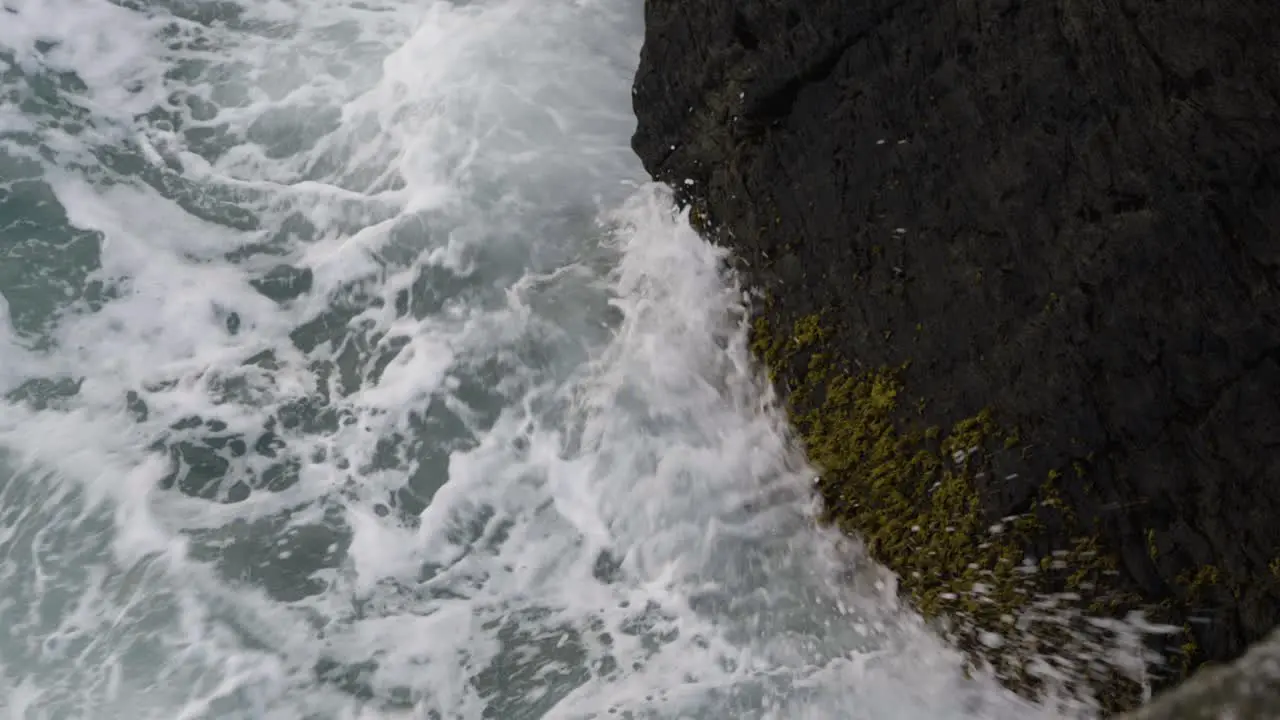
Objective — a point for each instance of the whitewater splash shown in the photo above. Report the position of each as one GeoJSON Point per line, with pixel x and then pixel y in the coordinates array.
{"type": "Point", "coordinates": [351, 370]}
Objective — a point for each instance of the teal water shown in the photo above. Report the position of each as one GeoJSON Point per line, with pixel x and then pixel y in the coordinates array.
{"type": "Point", "coordinates": [351, 368]}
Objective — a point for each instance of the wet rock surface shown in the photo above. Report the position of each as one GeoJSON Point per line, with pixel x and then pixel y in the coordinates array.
{"type": "Point", "coordinates": [1245, 690]}
{"type": "Point", "coordinates": [1066, 212]}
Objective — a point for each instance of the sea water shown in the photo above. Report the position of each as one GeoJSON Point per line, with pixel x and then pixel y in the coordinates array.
{"type": "Point", "coordinates": [352, 368]}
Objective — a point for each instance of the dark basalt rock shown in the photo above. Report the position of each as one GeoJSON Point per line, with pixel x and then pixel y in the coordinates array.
{"type": "Point", "coordinates": [1066, 211]}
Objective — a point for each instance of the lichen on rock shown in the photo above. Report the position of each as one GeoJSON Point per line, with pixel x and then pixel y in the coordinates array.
{"type": "Point", "coordinates": [910, 494]}
{"type": "Point", "coordinates": [1044, 230]}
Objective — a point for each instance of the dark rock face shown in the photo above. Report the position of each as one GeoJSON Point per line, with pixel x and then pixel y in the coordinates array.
{"type": "Point", "coordinates": [1067, 211]}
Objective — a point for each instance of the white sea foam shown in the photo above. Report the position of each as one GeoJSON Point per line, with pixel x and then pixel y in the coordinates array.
{"type": "Point", "coordinates": [497, 451]}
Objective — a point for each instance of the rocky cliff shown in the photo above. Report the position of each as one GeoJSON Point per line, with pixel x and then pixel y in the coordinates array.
{"type": "Point", "coordinates": [1019, 266]}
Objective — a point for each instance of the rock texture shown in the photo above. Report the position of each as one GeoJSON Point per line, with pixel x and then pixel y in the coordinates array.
{"type": "Point", "coordinates": [1245, 690]}
{"type": "Point", "coordinates": [1065, 211]}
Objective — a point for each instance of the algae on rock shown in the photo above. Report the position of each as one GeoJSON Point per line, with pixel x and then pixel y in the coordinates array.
{"type": "Point", "coordinates": [912, 495]}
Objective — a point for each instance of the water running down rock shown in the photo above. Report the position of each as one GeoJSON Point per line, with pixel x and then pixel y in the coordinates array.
{"type": "Point", "coordinates": [350, 369]}
{"type": "Point", "coordinates": [1045, 231]}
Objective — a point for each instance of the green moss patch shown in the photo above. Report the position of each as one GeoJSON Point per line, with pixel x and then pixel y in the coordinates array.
{"type": "Point", "coordinates": [911, 492]}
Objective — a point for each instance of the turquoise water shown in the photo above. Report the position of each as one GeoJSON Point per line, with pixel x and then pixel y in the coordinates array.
{"type": "Point", "coordinates": [352, 368]}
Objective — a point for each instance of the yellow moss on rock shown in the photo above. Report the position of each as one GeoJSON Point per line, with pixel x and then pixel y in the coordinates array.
{"type": "Point", "coordinates": [912, 496]}
{"type": "Point", "coordinates": [1197, 582]}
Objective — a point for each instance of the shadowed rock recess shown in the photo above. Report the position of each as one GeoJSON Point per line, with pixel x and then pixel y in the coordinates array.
{"type": "Point", "coordinates": [1018, 266]}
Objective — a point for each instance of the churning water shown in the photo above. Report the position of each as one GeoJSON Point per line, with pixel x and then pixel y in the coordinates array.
{"type": "Point", "coordinates": [351, 369]}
